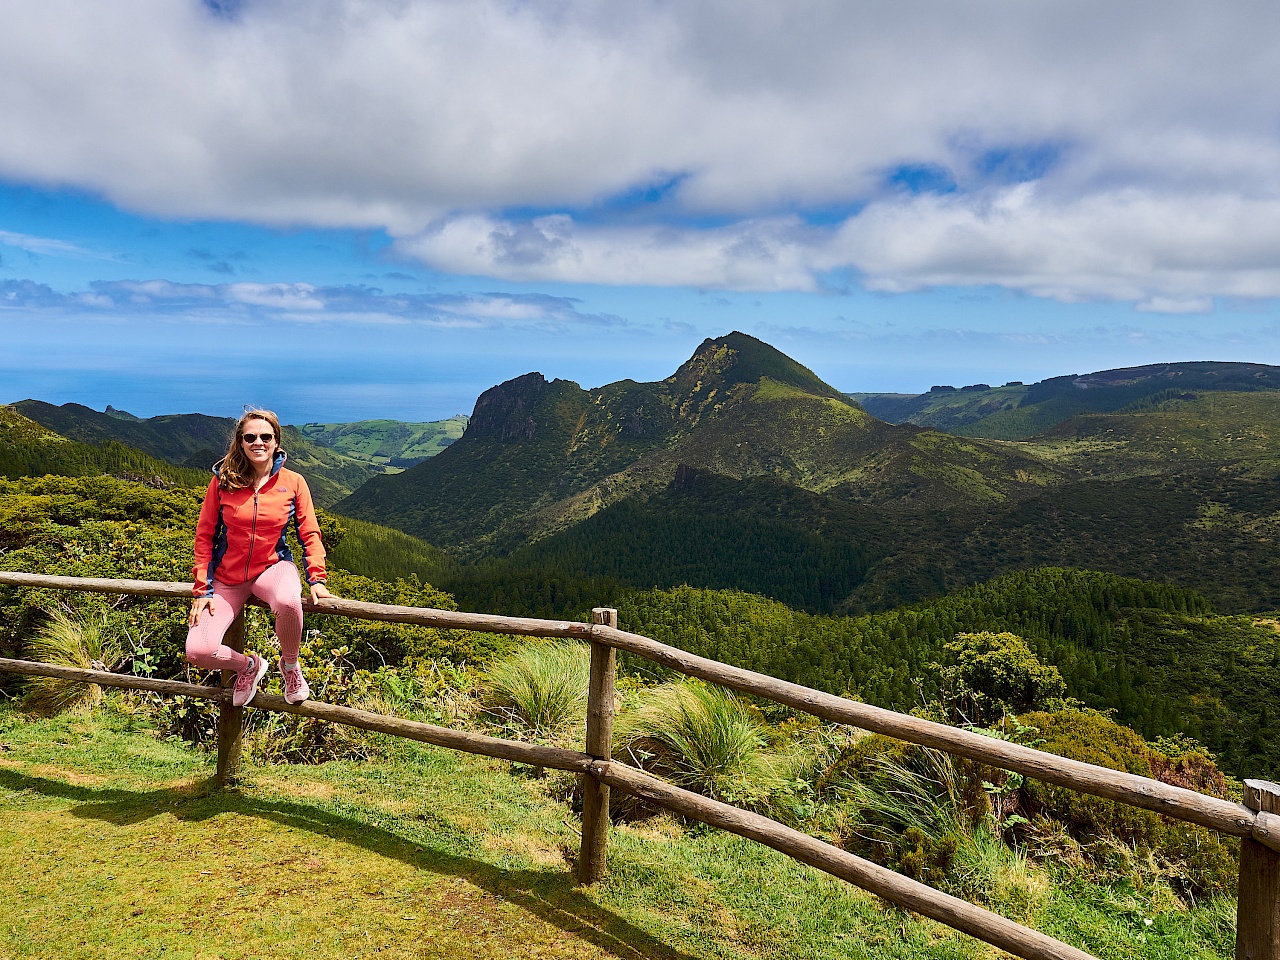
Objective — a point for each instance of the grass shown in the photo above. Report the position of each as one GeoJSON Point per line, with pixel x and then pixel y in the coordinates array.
{"type": "Point", "coordinates": [699, 737]}
{"type": "Point", "coordinates": [541, 689]}
{"type": "Point", "coordinates": [112, 842]}
{"type": "Point", "coordinates": [69, 639]}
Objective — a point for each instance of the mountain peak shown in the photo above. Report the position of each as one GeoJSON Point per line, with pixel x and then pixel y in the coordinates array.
{"type": "Point", "coordinates": [735, 358]}
{"type": "Point", "coordinates": [505, 412]}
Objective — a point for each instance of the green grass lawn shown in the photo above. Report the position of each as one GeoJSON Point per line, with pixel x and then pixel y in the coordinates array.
{"type": "Point", "coordinates": [112, 842]}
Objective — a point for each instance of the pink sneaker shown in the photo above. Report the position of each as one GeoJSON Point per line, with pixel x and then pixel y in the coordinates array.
{"type": "Point", "coordinates": [247, 680]}
{"type": "Point", "coordinates": [295, 684]}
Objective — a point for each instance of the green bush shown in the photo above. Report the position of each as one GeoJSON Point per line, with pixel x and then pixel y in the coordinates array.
{"type": "Point", "coordinates": [373, 643]}
{"type": "Point", "coordinates": [1092, 738]}
{"type": "Point", "coordinates": [997, 674]}
{"type": "Point", "coordinates": [1197, 861]}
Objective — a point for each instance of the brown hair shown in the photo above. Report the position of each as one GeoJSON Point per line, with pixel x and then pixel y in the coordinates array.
{"type": "Point", "coordinates": [235, 472]}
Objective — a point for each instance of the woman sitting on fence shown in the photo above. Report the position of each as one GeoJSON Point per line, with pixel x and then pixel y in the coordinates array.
{"type": "Point", "coordinates": [241, 550]}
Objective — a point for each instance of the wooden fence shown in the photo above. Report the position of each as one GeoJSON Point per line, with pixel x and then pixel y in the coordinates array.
{"type": "Point", "coordinates": [1256, 822]}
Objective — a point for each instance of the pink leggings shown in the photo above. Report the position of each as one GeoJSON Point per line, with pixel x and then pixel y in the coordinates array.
{"type": "Point", "coordinates": [279, 586]}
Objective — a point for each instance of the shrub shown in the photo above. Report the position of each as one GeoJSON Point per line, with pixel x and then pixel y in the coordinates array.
{"type": "Point", "coordinates": [701, 738]}
{"type": "Point", "coordinates": [1092, 738]}
{"type": "Point", "coordinates": [540, 691]}
{"type": "Point", "coordinates": [996, 674]}
{"type": "Point", "coordinates": [906, 807]}
{"type": "Point", "coordinates": [1194, 860]}
{"type": "Point", "coordinates": [373, 643]}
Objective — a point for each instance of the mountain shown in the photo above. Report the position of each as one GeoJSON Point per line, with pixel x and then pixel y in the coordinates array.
{"type": "Point", "coordinates": [28, 449]}
{"type": "Point", "coordinates": [196, 441]}
{"type": "Point", "coordinates": [1016, 411]}
{"type": "Point", "coordinates": [182, 440]}
{"type": "Point", "coordinates": [539, 456]}
{"type": "Point", "coordinates": [744, 470]}
{"type": "Point", "coordinates": [1171, 432]}
{"type": "Point", "coordinates": [389, 444]}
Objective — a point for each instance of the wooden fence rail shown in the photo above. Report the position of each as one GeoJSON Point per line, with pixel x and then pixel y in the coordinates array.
{"type": "Point", "coordinates": [1257, 822]}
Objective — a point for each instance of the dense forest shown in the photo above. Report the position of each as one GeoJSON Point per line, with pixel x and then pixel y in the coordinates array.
{"type": "Point", "coordinates": [823, 553]}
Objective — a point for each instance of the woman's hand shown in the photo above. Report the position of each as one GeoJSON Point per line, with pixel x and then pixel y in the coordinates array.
{"type": "Point", "coordinates": [198, 606]}
{"type": "Point", "coordinates": [320, 592]}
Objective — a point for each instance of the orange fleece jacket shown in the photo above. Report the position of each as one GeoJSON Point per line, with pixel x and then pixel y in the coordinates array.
{"type": "Point", "coordinates": [242, 532]}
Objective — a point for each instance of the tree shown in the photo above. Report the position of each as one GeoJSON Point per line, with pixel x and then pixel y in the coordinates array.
{"type": "Point", "coordinates": [996, 674]}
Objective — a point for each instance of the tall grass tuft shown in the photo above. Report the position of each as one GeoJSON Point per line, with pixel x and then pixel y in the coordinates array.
{"type": "Point", "coordinates": [907, 810]}
{"type": "Point", "coordinates": [69, 640]}
{"type": "Point", "coordinates": [540, 691]}
{"type": "Point", "coordinates": [701, 738]}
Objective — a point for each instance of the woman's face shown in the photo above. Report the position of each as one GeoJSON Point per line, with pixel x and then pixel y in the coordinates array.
{"type": "Point", "coordinates": [261, 451]}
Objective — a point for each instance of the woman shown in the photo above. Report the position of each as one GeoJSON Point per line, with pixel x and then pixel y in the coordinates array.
{"type": "Point", "coordinates": [241, 550]}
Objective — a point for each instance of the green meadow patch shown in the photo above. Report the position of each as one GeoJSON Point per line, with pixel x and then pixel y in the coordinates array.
{"type": "Point", "coordinates": [112, 841]}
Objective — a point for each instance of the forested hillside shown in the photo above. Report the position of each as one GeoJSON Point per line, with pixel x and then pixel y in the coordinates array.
{"type": "Point", "coordinates": [27, 449]}
{"type": "Point", "coordinates": [824, 553]}
{"type": "Point", "coordinates": [1155, 655]}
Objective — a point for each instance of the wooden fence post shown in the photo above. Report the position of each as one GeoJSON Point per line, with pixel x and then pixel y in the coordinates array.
{"type": "Point", "coordinates": [595, 795]}
{"type": "Point", "coordinates": [1258, 910]}
{"type": "Point", "coordinates": [230, 719]}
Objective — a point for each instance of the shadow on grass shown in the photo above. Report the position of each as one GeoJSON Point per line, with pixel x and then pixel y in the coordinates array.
{"type": "Point", "coordinates": [549, 895]}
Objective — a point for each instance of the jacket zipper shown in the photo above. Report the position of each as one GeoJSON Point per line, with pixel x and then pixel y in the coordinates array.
{"type": "Point", "coordinates": [253, 535]}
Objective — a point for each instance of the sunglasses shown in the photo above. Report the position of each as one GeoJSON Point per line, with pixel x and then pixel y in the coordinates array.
{"type": "Point", "coordinates": [255, 437]}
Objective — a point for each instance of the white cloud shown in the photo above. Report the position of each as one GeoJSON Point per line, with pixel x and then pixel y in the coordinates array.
{"type": "Point", "coordinates": [278, 296]}
{"type": "Point", "coordinates": [1146, 126]}
{"type": "Point", "coordinates": [48, 246]}
{"type": "Point", "coordinates": [1169, 254]}
{"type": "Point", "coordinates": [749, 255]}
{"type": "Point", "coordinates": [296, 303]}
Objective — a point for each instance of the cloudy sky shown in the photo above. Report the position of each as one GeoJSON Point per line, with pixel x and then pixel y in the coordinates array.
{"type": "Point", "coordinates": [362, 208]}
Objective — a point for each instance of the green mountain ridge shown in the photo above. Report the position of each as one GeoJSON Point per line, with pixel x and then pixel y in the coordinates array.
{"type": "Point", "coordinates": [197, 441]}
{"type": "Point", "coordinates": [1017, 411]}
{"type": "Point", "coordinates": [818, 505]}
{"type": "Point", "coordinates": [539, 456]}
{"type": "Point", "coordinates": [29, 449]}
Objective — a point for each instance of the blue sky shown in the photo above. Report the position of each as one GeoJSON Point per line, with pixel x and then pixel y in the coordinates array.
{"type": "Point", "coordinates": [347, 210]}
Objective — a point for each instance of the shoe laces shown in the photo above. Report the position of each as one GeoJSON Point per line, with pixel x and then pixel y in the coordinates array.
{"type": "Point", "coordinates": [246, 677]}
{"type": "Point", "coordinates": [293, 679]}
